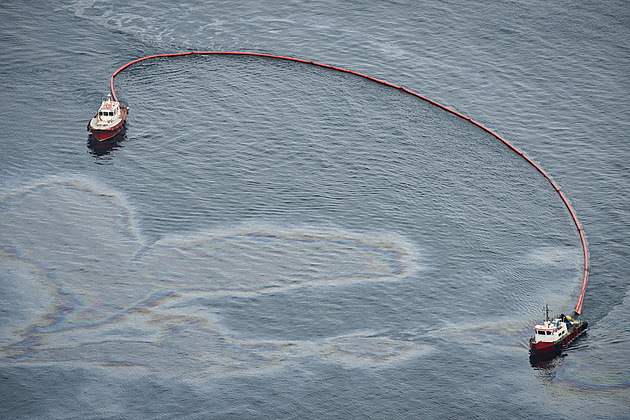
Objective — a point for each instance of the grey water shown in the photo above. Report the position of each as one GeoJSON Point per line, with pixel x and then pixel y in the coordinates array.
{"type": "Point", "coordinates": [273, 239]}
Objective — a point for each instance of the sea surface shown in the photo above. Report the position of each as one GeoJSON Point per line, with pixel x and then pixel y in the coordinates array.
{"type": "Point", "coordinates": [277, 240]}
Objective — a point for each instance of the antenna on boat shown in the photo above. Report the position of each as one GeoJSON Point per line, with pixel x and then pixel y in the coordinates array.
{"type": "Point", "coordinates": [547, 312]}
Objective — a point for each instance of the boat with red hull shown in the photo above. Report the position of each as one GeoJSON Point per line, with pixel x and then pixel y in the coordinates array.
{"type": "Point", "coordinates": [551, 336]}
{"type": "Point", "coordinates": [110, 120]}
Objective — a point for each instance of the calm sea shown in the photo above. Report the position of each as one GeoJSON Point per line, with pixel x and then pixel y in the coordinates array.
{"type": "Point", "coordinates": [273, 239]}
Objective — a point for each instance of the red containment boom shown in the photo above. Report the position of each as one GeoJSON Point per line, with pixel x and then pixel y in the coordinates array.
{"type": "Point", "coordinates": [578, 308]}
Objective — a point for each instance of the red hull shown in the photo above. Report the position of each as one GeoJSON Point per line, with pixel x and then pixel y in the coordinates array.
{"type": "Point", "coordinates": [103, 135]}
{"type": "Point", "coordinates": [543, 347]}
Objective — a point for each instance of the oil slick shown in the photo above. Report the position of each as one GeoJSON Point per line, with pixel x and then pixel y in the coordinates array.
{"type": "Point", "coordinates": [93, 291]}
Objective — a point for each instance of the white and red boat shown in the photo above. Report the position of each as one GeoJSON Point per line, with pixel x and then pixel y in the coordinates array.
{"type": "Point", "coordinates": [551, 336]}
{"type": "Point", "coordinates": [109, 121]}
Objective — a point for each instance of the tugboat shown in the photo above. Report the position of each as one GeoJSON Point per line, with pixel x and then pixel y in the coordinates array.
{"type": "Point", "coordinates": [109, 121]}
{"type": "Point", "coordinates": [550, 337]}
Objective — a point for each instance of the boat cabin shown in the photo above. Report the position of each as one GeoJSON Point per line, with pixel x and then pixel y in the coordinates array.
{"type": "Point", "coordinates": [552, 330]}
{"type": "Point", "coordinates": [108, 113]}
{"type": "Point", "coordinates": [104, 114]}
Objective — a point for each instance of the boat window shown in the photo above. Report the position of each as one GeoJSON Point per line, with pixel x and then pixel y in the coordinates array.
{"type": "Point", "coordinates": [548, 332]}
{"type": "Point", "coordinates": [541, 332]}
